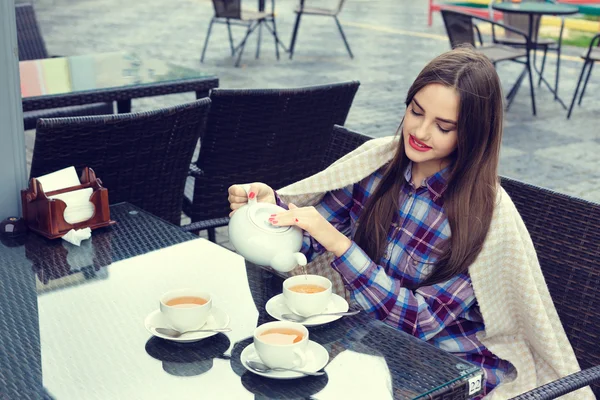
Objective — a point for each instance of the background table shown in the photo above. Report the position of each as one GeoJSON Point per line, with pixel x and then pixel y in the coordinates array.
{"type": "Point", "coordinates": [532, 9]}
{"type": "Point", "coordinates": [72, 324]}
{"type": "Point", "coordinates": [95, 78]}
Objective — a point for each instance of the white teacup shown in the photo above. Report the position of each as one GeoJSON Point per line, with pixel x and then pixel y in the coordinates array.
{"type": "Point", "coordinates": [306, 304]}
{"type": "Point", "coordinates": [274, 344]}
{"type": "Point", "coordinates": [186, 315]}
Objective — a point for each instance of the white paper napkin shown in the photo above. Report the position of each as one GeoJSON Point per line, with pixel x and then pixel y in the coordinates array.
{"type": "Point", "coordinates": [60, 179]}
{"type": "Point", "coordinates": [76, 236]}
{"type": "Point", "coordinates": [78, 204]}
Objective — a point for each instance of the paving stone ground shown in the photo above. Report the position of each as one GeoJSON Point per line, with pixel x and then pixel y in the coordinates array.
{"type": "Point", "coordinates": [391, 42]}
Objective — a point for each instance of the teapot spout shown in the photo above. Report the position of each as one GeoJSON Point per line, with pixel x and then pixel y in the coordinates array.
{"type": "Point", "coordinates": [300, 259]}
{"type": "Point", "coordinates": [287, 262]}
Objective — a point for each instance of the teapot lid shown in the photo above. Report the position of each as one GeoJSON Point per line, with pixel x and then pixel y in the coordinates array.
{"type": "Point", "coordinates": [260, 213]}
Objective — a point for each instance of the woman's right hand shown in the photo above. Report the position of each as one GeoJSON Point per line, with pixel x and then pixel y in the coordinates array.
{"type": "Point", "coordinates": [237, 195]}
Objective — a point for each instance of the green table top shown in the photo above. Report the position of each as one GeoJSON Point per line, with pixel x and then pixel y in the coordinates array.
{"type": "Point", "coordinates": [98, 71]}
{"type": "Point", "coordinates": [589, 9]}
{"type": "Point", "coordinates": [535, 8]}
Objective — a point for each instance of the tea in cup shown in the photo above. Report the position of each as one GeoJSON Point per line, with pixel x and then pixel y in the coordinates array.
{"type": "Point", "coordinates": [186, 309]}
{"type": "Point", "coordinates": [281, 344]}
{"type": "Point", "coordinates": [307, 294]}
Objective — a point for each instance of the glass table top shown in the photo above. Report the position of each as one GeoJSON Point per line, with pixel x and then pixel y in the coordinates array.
{"type": "Point", "coordinates": [98, 71]}
{"type": "Point", "coordinates": [72, 325]}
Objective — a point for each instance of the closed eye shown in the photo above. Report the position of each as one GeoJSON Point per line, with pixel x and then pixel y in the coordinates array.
{"type": "Point", "coordinates": [412, 110]}
{"type": "Point", "coordinates": [443, 130]}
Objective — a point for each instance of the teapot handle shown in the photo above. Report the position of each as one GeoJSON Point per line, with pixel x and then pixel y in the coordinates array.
{"type": "Point", "coordinates": [247, 189]}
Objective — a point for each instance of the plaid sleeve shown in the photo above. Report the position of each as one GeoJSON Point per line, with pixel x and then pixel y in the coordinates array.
{"type": "Point", "coordinates": [335, 207]}
{"type": "Point", "coordinates": [423, 313]}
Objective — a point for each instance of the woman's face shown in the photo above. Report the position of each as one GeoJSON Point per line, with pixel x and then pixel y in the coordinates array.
{"type": "Point", "coordinates": [429, 129]}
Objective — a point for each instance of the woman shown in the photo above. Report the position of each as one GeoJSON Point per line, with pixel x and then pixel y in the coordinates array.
{"type": "Point", "coordinates": [404, 236]}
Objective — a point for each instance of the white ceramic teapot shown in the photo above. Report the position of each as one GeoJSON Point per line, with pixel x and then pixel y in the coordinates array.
{"type": "Point", "coordinates": [262, 243]}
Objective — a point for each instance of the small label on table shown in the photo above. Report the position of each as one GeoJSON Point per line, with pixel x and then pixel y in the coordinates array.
{"type": "Point", "coordinates": [474, 384]}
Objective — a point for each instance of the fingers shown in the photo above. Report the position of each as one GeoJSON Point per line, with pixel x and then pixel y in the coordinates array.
{"type": "Point", "coordinates": [286, 218]}
{"type": "Point", "coordinates": [292, 206]}
{"type": "Point", "coordinates": [237, 197]}
{"type": "Point", "coordinates": [253, 191]}
{"type": "Point", "coordinates": [237, 192]}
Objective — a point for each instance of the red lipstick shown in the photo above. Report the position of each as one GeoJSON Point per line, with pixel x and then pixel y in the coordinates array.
{"type": "Point", "coordinates": [417, 144]}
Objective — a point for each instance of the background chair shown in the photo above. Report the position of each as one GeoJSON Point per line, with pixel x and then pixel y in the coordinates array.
{"type": "Point", "coordinates": [521, 22]}
{"type": "Point", "coordinates": [590, 57]}
{"type": "Point", "coordinates": [342, 142]}
{"type": "Point", "coordinates": [230, 12]}
{"type": "Point", "coordinates": [142, 158]}
{"type": "Point", "coordinates": [301, 10]}
{"type": "Point", "coordinates": [461, 30]}
{"type": "Point", "coordinates": [276, 136]}
{"type": "Point", "coordinates": [566, 235]}
{"type": "Point", "coordinates": [32, 47]}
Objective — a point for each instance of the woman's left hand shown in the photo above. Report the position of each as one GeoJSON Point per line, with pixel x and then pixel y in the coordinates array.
{"type": "Point", "coordinates": [309, 219]}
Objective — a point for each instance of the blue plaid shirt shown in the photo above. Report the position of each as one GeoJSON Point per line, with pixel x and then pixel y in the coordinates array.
{"type": "Point", "coordinates": [444, 314]}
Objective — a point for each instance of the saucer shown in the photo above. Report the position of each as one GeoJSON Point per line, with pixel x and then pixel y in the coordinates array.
{"type": "Point", "coordinates": [317, 357]}
{"type": "Point", "coordinates": [217, 319]}
{"type": "Point", "coordinates": [276, 306]}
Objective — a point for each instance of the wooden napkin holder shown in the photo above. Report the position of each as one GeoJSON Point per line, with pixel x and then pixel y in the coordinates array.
{"type": "Point", "coordinates": [46, 216]}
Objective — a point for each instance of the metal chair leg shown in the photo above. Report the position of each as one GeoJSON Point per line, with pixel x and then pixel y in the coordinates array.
{"type": "Point", "coordinates": [242, 45]}
{"type": "Point", "coordinates": [206, 40]}
{"type": "Point", "coordinates": [577, 89]}
{"type": "Point", "coordinates": [513, 91]}
{"type": "Point", "coordinates": [230, 38]}
{"type": "Point", "coordinates": [543, 65]}
{"type": "Point", "coordinates": [337, 21]}
{"type": "Point", "coordinates": [531, 87]}
{"type": "Point", "coordinates": [276, 38]}
{"type": "Point", "coordinates": [294, 35]}
{"type": "Point", "coordinates": [273, 32]}
{"type": "Point", "coordinates": [557, 74]}
{"type": "Point", "coordinates": [587, 78]}
{"type": "Point", "coordinates": [558, 51]}
{"type": "Point", "coordinates": [259, 40]}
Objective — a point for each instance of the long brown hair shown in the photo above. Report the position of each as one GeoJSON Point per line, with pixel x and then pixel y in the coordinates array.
{"type": "Point", "coordinates": [473, 179]}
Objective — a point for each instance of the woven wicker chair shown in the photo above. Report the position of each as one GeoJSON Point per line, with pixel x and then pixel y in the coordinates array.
{"type": "Point", "coordinates": [325, 12]}
{"type": "Point", "coordinates": [142, 158]}
{"type": "Point", "coordinates": [272, 136]}
{"type": "Point", "coordinates": [32, 47]}
{"type": "Point", "coordinates": [566, 235]}
{"type": "Point", "coordinates": [230, 12]}
{"type": "Point", "coordinates": [591, 56]}
{"type": "Point", "coordinates": [461, 30]}
{"type": "Point", "coordinates": [342, 142]}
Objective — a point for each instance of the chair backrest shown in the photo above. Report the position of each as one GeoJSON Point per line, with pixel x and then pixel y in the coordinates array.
{"type": "Point", "coordinates": [566, 234]}
{"type": "Point", "coordinates": [142, 158]}
{"type": "Point", "coordinates": [342, 142]}
{"type": "Point", "coordinates": [595, 42]}
{"type": "Point", "coordinates": [459, 27]}
{"type": "Point", "coordinates": [228, 8]}
{"type": "Point", "coordinates": [29, 38]}
{"type": "Point", "coordinates": [521, 21]}
{"type": "Point", "coordinates": [275, 136]}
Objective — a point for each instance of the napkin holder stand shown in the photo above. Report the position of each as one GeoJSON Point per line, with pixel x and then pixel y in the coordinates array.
{"type": "Point", "coordinates": [46, 216]}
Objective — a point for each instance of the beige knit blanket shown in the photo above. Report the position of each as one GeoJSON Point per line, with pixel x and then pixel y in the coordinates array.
{"type": "Point", "coordinates": [521, 323]}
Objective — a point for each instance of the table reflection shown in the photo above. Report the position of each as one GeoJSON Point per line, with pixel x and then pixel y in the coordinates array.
{"type": "Point", "coordinates": [188, 359]}
{"type": "Point", "coordinates": [59, 264]}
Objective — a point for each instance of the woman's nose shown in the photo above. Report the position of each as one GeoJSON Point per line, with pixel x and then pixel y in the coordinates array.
{"type": "Point", "coordinates": [422, 131]}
